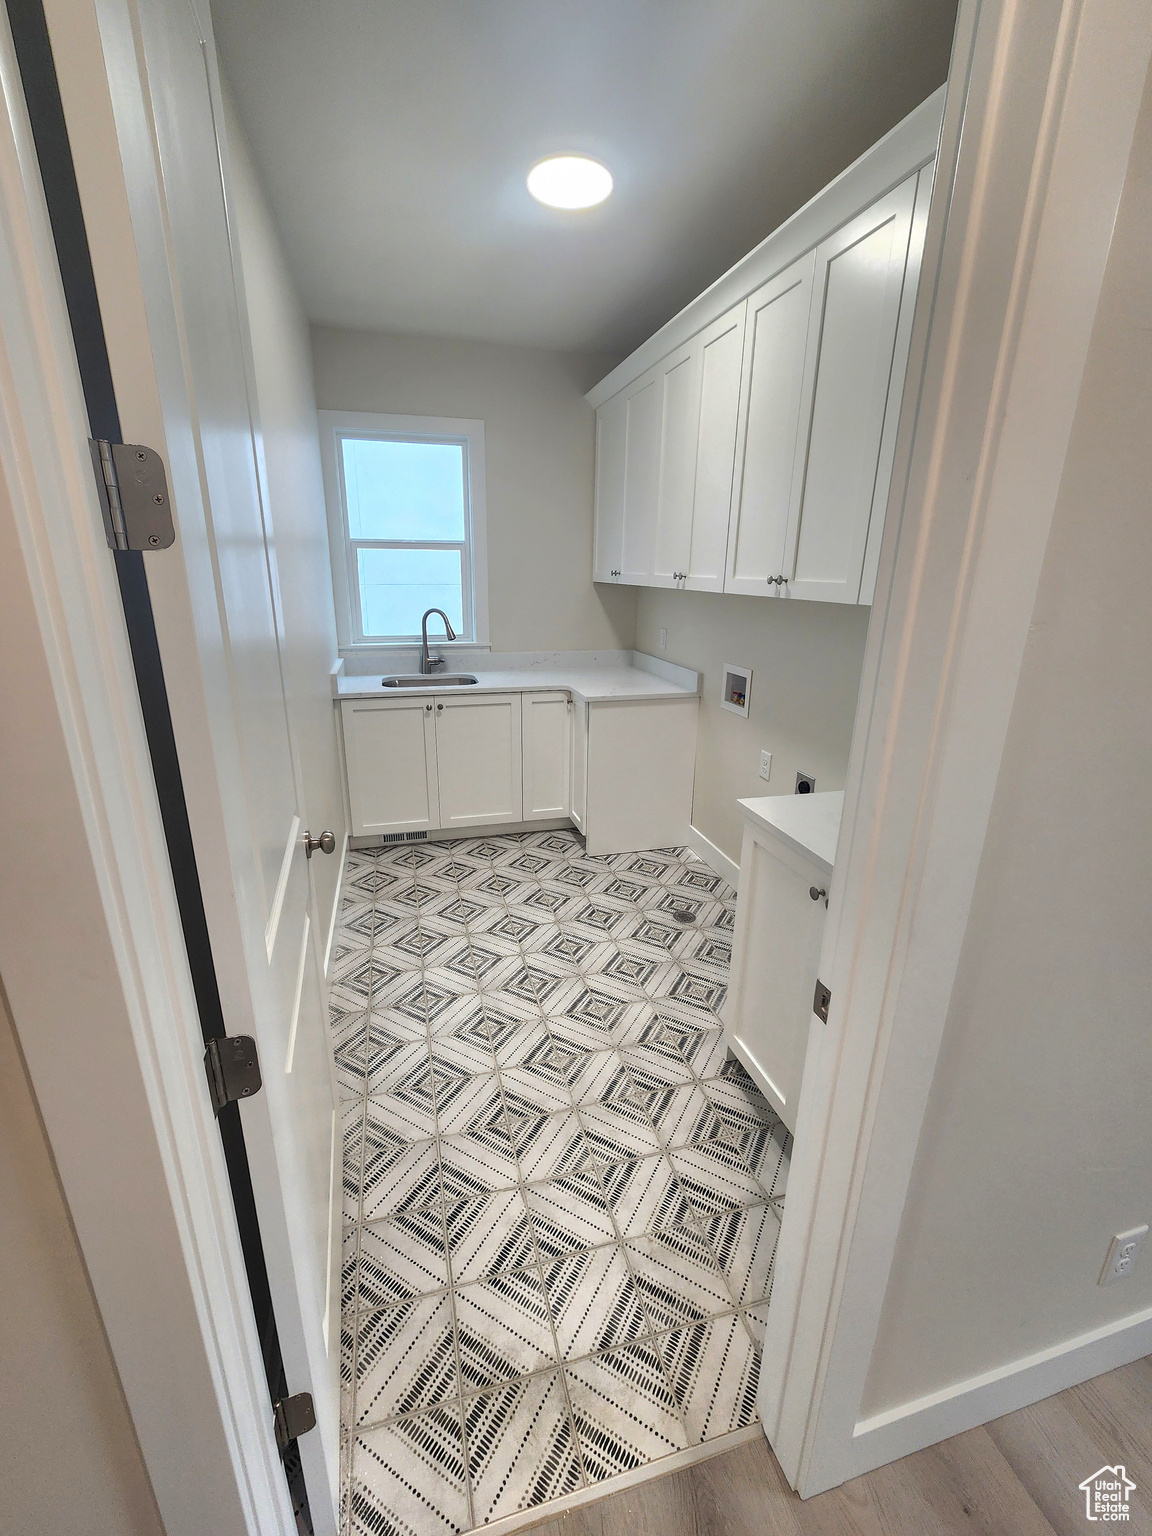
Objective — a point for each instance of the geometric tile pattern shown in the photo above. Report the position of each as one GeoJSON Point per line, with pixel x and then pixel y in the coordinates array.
{"type": "Point", "coordinates": [562, 1196]}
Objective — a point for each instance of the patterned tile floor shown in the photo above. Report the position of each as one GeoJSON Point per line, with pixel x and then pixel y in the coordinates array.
{"type": "Point", "coordinates": [561, 1196]}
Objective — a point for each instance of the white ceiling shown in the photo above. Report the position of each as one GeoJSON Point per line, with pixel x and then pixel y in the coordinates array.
{"type": "Point", "coordinates": [394, 136]}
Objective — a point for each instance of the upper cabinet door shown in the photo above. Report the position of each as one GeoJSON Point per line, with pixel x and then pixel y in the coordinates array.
{"type": "Point", "coordinates": [771, 393]}
{"type": "Point", "coordinates": [644, 403]}
{"type": "Point", "coordinates": [851, 351]}
{"type": "Point", "coordinates": [679, 429]}
{"type": "Point", "coordinates": [611, 435]}
{"type": "Point", "coordinates": [721, 354]}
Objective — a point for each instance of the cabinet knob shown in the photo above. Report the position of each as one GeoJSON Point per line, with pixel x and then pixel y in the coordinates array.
{"type": "Point", "coordinates": [440, 708]}
{"type": "Point", "coordinates": [817, 892]}
{"type": "Point", "coordinates": [428, 709]}
{"type": "Point", "coordinates": [326, 843]}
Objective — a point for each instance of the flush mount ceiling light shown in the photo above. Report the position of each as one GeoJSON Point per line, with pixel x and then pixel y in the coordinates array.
{"type": "Point", "coordinates": [569, 181]}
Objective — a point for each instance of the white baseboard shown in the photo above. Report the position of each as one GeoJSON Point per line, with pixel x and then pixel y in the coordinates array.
{"type": "Point", "coordinates": [713, 857]}
{"type": "Point", "coordinates": [927, 1420]}
{"type": "Point", "coordinates": [334, 915]}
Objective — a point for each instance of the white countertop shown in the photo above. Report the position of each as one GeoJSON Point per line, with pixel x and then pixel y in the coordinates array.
{"type": "Point", "coordinates": [808, 823]}
{"type": "Point", "coordinates": [593, 683]}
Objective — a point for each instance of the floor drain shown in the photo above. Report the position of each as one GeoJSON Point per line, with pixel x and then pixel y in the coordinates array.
{"type": "Point", "coordinates": [683, 915]}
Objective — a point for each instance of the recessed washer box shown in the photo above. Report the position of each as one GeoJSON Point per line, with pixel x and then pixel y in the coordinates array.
{"type": "Point", "coordinates": [737, 689]}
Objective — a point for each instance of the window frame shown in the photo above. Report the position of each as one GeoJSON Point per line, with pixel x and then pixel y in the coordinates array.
{"type": "Point", "coordinates": [337, 425]}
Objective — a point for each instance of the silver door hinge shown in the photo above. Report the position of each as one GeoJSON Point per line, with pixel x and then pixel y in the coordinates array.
{"type": "Point", "coordinates": [133, 495]}
{"type": "Point", "coordinates": [820, 1002]}
{"type": "Point", "coordinates": [291, 1418]}
{"type": "Point", "coordinates": [233, 1069]}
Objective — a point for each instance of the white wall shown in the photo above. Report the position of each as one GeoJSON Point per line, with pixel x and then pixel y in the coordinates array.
{"type": "Point", "coordinates": [69, 1460]}
{"type": "Point", "coordinates": [1036, 1146]}
{"type": "Point", "coordinates": [539, 446]}
{"type": "Point", "coordinates": [806, 660]}
{"type": "Point", "coordinates": [286, 412]}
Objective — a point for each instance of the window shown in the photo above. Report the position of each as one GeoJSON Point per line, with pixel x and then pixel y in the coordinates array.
{"type": "Point", "coordinates": [406, 517]}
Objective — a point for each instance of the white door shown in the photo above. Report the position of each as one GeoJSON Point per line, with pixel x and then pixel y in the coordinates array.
{"type": "Point", "coordinates": [217, 609]}
{"type": "Point", "coordinates": [771, 394]}
{"type": "Point", "coordinates": [858, 283]}
{"type": "Point", "coordinates": [611, 435]}
{"type": "Point", "coordinates": [775, 953]}
{"type": "Point", "coordinates": [721, 353]}
{"type": "Point", "coordinates": [546, 720]}
{"type": "Point", "coordinates": [679, 375]}
{"type": "Point", "coordinates": [390, 749]}
{"type": "Point", "coordinates": [643, 408]}
{"type": "Point", "coordinates": [478, 759]}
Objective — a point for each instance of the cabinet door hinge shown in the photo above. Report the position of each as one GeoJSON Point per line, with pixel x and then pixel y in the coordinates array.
{"type": "Point", "coordinates": [233, 1069]}
{"type": "Point", "coordinates": [820, 1002]}
{"type": "Point", "coordinates": [133, 495]}
{"type": "Point", "coordinates": [291, 1418]}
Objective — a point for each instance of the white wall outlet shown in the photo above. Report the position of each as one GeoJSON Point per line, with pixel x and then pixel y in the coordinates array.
{"type": "Point", "coordinates": [663, 639]}
{"type": "Point", "coordinates": [1123, 1254]}
{"type": "Point", "coordinates": [765, 765]}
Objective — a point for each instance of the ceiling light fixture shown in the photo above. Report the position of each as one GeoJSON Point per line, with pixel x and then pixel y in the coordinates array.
{"type": "Point", "coordinates": [569, 181]}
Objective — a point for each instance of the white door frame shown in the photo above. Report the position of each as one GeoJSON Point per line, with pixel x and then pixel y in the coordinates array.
{"type": "Point", "coordinates": [1035, 141]}
{"type": "Point", "coordinates": [91, 948]}
{"type": "Point", "coordinates": [998, 351]}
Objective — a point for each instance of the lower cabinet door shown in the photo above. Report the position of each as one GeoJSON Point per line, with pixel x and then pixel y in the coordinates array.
{"type": "Point", "coordinates": [478, 759]}
{"type": "Point", "coordinates": [546, 720]}
{"type": "Point", "coordinates": [776, 953]}
{"type": "Point", "coordinates": [390, 748]}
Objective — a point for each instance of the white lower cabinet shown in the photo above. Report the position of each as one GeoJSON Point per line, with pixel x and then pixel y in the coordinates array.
{"type": "Point", "coordinates": [478, 761]}
{"type": "Point", "coordinates": [390, 750]}
{"type": "Point", "coordinates": [578, 752]}
{"type": "Point", "coordinates": [779, 926]}
{"type": "Point", "coordinates": [422, 763]}
{"type": "Point", "coordinates": [640, 761]}
{"type": "Point", "coordinates": [547, 756]}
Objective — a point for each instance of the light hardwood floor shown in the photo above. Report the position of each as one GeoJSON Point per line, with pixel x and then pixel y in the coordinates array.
{"type": "Point", "coordinates": [1017, 1476]}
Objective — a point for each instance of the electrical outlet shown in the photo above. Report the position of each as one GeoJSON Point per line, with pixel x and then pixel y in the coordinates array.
{"type": "Point", "coordinates": [805, 784]}
{"type": "Point", "coordinates": [765, 765]}
{"type": "Point", "coordinates": [1123, 1254]}
{"type": "Point", "coordinates": [663, 639]}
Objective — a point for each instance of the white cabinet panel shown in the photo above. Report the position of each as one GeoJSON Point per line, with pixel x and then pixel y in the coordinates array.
{"type": "Point", "coordinates": [546, 720]}
{"type": "Point", "coordinates": [611, 436]}
{"type": "Point", "coordinates": [859, 280]}
{"type": "Point", "coordinates": [679, 429]}
{"type": "Point", "coordinates": [579, 775]}
{"type": "Point", "coordinates": [768, 1012]}
{"type": "Point", "coordinates": [390, 747]}
{"type": "Point", "coordinates": [772, 392]}
{"type": "Point", "coordinates": [478, 761]}
{"type": "Point", "coordinates": [641, 760]}
{"type": "Point", "coordinates": [644, 410]}
{"type": "Point", "coordinates": [721, 355]}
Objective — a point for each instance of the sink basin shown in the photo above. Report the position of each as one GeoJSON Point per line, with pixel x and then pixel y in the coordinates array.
{"type": "Point", "coordinates": [432, 680]}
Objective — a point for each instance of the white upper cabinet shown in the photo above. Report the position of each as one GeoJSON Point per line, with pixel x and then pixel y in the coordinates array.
{"type": "Point", "coordinates": [748, 446]}
{"type": "Point", "coordinates": [611, 434]}
{"type": "Point", "coordinates": [858, 284]}
{"type": "Point", "coordinates": [770, 474]}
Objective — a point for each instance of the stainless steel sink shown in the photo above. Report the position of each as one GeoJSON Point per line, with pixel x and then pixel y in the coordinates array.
{"type": "Point", "coordinates": [432, 680]}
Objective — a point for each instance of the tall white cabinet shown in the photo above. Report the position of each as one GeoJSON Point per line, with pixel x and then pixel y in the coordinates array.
{"type": "Point", "coordinates": [753, 453]}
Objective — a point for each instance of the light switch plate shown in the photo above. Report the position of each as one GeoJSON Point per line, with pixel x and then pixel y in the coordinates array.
{"type": "Point", "coordinates": [765, 765]}
{"type": "Point", "coordinates": [663, 639]}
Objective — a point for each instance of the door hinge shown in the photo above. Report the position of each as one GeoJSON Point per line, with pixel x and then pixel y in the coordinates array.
{"type": "Point", "coordinates": [820, 1002]}
{"type": "Point", "coordinates": [233, 1069]}
{"type": "Point", "coordinates": [291, 1418]}
{"type": "Point", "coordinates": [133, 495]}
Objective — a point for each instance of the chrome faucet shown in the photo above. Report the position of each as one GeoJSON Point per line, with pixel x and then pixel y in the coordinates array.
{"type": "Point", "coordinates": [428, 663]}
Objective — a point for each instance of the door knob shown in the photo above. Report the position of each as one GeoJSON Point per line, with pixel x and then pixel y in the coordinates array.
{"type": "Point", "coordinates": [817, 892]}
{"type": "Point", "coordinates": [326, 842]}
